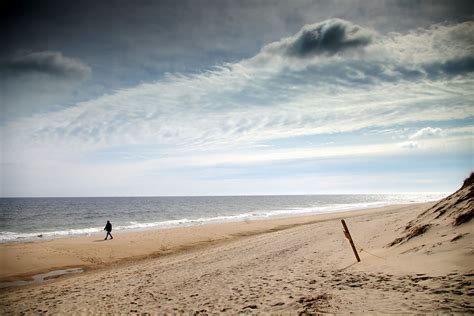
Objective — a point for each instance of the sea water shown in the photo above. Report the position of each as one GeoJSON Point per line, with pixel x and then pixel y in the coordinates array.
{"type": "Point", "coordinates": [25, 219]}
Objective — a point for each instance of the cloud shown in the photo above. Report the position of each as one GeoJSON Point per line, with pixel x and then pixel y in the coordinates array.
{"type": "Point", "coordinates": [427, 132]}
{"type": "Point", "coordinates": [328, 37]}
{"type": "Point", "coordinates": [464, 130]}
{"type": "Point", "coordinates": [453, 67]}
{"type": "Point", "coordinates": [267, 97]}
{"type": "Point", "coordinates": [40, 82]}
{"type": "Point", "coordinates": [409, 145]}
{"type": "Point", "coordinates": [46, 62]}
{"type": "Point", "coordinates": [352, 54]}
{"type": "Point", "coordinates": [183, 123]}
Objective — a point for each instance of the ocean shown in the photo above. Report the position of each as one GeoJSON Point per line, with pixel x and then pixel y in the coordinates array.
{"type": "Point", "coordinates": [24, 219]}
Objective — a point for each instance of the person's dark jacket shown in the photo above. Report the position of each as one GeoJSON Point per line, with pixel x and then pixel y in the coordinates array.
{"type": "Point", "coordinates": [108, 227]}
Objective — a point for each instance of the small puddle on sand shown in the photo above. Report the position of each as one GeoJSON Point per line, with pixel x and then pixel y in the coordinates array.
{"type": "Point", "coordinates": [40, 278]}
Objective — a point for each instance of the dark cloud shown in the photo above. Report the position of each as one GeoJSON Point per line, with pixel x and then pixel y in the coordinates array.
{"type": "Point", "coordinates": [452, 67]}
{"type": "Point", "coordinates": [35, 82]}
{"type": "Point", "coordinates": [46, 62]}
{"type": "Point", "coordinates": [328, 37]}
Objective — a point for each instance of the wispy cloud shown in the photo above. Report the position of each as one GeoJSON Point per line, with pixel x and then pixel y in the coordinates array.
{"type": "Point", "coordinates": [274, 96]}
{"type": "Point", "coordinates": [330, 78]}
{"type": "Point", "coordinates": [427, 132]}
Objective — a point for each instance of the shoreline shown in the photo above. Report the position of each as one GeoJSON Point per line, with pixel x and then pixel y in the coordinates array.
{"type": "Point", "coordinates": [125, 224]}
{"type": "Point", "coordinates": [24, 260]}
{"type": "Point", "coordinates": [284, 266]}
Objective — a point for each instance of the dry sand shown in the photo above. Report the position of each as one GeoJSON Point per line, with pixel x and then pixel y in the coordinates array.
{"type": "Point", "coordinates": [296, 265]}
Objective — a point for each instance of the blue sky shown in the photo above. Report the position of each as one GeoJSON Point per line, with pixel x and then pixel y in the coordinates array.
{"type": "Point", "coordinates": [231, 97]}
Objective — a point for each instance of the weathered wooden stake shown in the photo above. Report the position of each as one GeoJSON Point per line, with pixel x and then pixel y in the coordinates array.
{"type": "Point", "coordinates": [348, 236]}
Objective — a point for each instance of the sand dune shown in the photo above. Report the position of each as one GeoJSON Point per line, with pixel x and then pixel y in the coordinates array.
{"type": "Point", "coordinates": [454, 210]}
{"type": "Point", "coordinates": [299, 265]}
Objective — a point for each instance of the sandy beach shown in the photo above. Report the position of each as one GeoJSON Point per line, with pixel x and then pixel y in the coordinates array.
{"type": "Point", "coordinates": [296, 265]}
{"type": "Point", "coordinates": [25, 259]}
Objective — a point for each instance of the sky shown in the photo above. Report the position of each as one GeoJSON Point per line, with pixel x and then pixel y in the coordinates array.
{"type": "Point", "coordinates": [160, 98]}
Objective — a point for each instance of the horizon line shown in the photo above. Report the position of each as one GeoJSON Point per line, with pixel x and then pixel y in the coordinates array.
{"type": "Point", "coordinates": [223, 195]}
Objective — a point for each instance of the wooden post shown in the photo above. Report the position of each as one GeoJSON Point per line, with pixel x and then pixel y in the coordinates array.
{"type": "Point", "coordinates": [348, 236]}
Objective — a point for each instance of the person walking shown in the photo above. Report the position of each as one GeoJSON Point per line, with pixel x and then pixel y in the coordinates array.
{"type": "Point", "coordinates": [108, 228]}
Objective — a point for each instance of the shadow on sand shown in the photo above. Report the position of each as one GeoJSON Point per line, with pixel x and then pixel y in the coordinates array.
{"type": "Point", "coordinates": [348, 266]}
